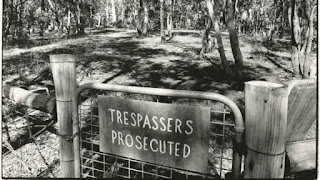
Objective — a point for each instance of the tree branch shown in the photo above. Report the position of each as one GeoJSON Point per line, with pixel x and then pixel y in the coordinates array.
{"type": "Point", "coordinates": [51, 5]}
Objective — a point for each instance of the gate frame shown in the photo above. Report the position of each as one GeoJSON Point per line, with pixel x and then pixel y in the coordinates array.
{"type": "Point", "coordinates": [238, 119]}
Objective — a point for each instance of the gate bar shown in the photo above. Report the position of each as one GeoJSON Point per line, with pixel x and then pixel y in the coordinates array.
{"type": "Point", "coordinates": [239, 125]}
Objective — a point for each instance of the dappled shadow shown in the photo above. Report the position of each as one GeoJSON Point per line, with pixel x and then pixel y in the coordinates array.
{"type": "Point", "coordinates": [255, 73]}
{"type": "Point", "coordinates": [100, 30]}
{"type": "Point", "coordinates": [275, 60]}
{"type": "Point", "coordinates": [126, 59]}
{"type": "Point", "coordinates": [180, 73]}
{"type": "Point", "coordinates": [33, 40]}
{"type": "Point", "coordinates": [277, 45]}
{"type": "Point", "coordinates": [147, 66]}
{"type": "Point", "coordinates": [187, 33]}
{"type": "Point", "coordinates": [279, 61]}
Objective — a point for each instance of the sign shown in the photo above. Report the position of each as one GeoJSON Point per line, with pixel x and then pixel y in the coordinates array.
{"type": "Point", "coordinates": [167, 134]}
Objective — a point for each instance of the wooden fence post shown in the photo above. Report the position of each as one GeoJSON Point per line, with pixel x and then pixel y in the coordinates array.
{"type": "Point", "coordinates": [266, 107]}
{"type": "Point", "coordinates": [63, 68]}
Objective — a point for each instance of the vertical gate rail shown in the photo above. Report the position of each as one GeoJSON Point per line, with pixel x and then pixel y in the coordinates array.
{"type": "Point", "coordinates": [238, 127]}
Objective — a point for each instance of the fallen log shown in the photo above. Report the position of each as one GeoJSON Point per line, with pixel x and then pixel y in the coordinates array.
{"type": "Point", "coordinates": [36, 101]}
{"type": "Point", "coordinates": [30, 99]}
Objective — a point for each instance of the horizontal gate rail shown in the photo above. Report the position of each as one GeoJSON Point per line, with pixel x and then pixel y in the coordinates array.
{"type": "Point", "coordinates": [238, 119]}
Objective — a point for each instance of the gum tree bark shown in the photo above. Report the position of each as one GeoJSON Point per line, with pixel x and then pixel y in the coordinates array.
{"type": "Point", "coordinates": [295, 38]}
{"type": "Point", "coordinates": [162, 34]}
{"type": "Point", "coordinates": [123, 14]}
{"type": "Point", "coordinates": [142, 18]}
{"type": "Point", "coordinates": [206, 42]}
{"type": "Point", "coordinates": [234, 41]}
{"type": "Point", "coordinates": [114, 15]}
{"type": "Point", "coordinates": [41, 20]}
{"type": "Point", "coordinates": [169, 18]}
{"type": "Point", "coordinates": [69, 17]}
{"type": "Point", "coordinates": [223, 58]}
{"type": "Point", "coordinates": [289, 12]}
{"type": "Point", "coordinates": [107, 12]}
{"type": "Point", "coordinates": [80, 20]}
{"type": "Point", "coordinates": [145, 18]}
{"type": "Point", "coordinates": [308, 61]}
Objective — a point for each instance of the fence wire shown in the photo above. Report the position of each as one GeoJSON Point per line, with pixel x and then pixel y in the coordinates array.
{"type": "Point", "coordinates": [96, 164]}
{"type": "Point", "coordinates": [28, 149]}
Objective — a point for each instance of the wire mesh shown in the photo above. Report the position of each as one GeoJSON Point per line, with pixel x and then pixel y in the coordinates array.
{"type": "Point", "coordinates": [96, 164]}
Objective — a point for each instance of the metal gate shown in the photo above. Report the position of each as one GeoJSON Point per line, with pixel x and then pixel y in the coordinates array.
{"type": "Point", "coordinates": [226, 129]}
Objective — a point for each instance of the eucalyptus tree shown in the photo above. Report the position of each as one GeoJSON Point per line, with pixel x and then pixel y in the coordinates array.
{"type": "Point", "coordinates": [234, 41]}
{"type": "Point", "coordinates": [215, 19]}
{"type": "Point", "coordinates": [114, 14]}
{"type": "Point", "coordinates": [142, 18]}
{"type": "Point", "coordinates": [301, 46]}
{"type": "Point", "coordinates": [309, 12]}
{"type": "Point", "coordinates": [162, 32]}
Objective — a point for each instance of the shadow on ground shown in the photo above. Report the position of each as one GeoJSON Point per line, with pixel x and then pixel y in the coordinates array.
{"type": "Point", "coordinates": [106, 59]}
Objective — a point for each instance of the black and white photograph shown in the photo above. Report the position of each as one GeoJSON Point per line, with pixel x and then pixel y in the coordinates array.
{"type": "Point", "coordinates": [177, 89]}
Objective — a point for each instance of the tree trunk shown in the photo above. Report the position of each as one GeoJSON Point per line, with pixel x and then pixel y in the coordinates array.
{"type": "Point", "coordinates": [234, 41]}
{"type": "Point", "coordinates": [107, 13]}
{"type": "Point", "coordinates": [17, 23]}
{"type": "Point", "coordinates": [76, 18]}
{"type": "Point", "coordinates": [289, 13]}
{"type": "Point", "coordinates": [139, 21]}
{"type": "Point", "coordinates": [305, 42]}
{"type": "Point", "coordinates": [41, 21]}
{"type": "Point", "coordinates": [69, 18]}
{"type": "Point", "coordinates": [99, 21]}
{"type": "Point", "coordinates": [282, 25]}
{"type": "Point", "coordinates": [162, 34]}
{"type": "Point", "coordinates": [180, 21]}
{"type": "Point", "coordinates": [58, 25]}
{"type": "Point", "coordinates": [223, 58]}
{"type": "Point", "coordinates": [114, 15]}
{"type": "Point", "coordinates": [9, 19]}
{"type": "Point", "coordinates": [79, 19]}
{"type": "Point", "coordinates": [123, 10]}
{"type": "Point", "coordinates": [295, 39]}
{"type": "Point", "coordinates": [205, 37]}
{"type": "Point", "coordinates": [169, 24]}
{"type": "Point", "coordinates": [272, 27]}
{"type": "Point", "coordinates": [271, 32]}
{"type": "Point", "coordinates": [145, 19]}
{"type": "Point", "coordinates": [169, 19]}
{"type": "Point", "coordinates": [91, 20]}
{"type": "Point", "coordinates": [308, 61]}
